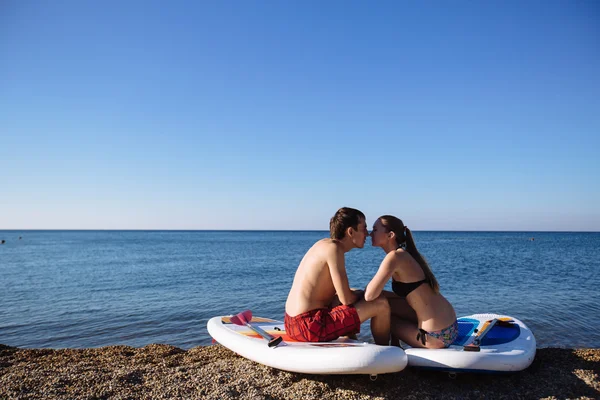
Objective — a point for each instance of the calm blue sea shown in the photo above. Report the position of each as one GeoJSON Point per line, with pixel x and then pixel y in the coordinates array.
{"type": "Point", "coordinates": [96, 288]}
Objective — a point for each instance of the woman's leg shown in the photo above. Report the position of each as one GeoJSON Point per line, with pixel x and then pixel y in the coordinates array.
{"type": "Point", "coordinates": [400, 307]}
{"type": "Point", "coordinates": [407, 331]}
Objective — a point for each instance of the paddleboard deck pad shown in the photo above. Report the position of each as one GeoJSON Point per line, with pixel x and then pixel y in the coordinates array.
{"type": "Point", "coordinates": [341, 356]}
{"type": "Point", "coordinates": [508, 346]}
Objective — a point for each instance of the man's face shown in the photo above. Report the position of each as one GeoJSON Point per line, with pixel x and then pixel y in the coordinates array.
{"type": "Point", "coordinates": [361, 233]}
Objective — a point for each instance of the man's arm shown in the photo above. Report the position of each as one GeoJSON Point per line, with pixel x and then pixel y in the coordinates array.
{"type": "Point", "coordinates": [359, 293]}
{"type": "Point", "coordinates": [337, 270]}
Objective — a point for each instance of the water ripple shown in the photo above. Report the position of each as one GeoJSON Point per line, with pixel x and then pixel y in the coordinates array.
{"type": "Point", "coordinates": [97, 288]}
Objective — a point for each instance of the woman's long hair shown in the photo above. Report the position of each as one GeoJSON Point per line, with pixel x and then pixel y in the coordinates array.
{"type": "Point", "coordinates": [404, 237]}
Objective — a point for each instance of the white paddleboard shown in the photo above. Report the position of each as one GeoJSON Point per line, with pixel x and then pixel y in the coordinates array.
{"type": "Point", "coordinates": [341, 356]}
{"type": "Point", "coordinates": [505, 348]}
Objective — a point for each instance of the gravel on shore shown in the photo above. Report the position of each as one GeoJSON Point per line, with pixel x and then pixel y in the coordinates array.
{"type": "Point", "coordinates": [214, 372]}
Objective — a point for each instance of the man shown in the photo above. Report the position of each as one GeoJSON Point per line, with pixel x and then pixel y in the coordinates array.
{"type": "Point", "coordinates": [310, 311]}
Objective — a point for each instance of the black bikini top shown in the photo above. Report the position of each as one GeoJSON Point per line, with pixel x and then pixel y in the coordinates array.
{"type": "Point", "coordinates": [403, 289]}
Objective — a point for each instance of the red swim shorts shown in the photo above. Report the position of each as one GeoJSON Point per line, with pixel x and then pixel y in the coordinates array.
{"type": "Point", "coordinates": [323, 324]}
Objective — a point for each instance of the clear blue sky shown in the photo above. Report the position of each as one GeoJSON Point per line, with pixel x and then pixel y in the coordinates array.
{"type": "Point", "coordinates": [461, 115]}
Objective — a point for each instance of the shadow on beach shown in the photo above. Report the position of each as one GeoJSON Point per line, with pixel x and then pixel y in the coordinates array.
{"type": "Point", "coordinates": [213, 372]}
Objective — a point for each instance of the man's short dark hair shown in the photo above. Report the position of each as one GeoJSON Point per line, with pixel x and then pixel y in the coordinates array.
{"type": "Point", "coordinates": [343, 219]}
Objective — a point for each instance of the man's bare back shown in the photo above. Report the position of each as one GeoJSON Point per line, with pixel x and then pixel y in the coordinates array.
{"type": "Point", "coordinates": [313, 285]}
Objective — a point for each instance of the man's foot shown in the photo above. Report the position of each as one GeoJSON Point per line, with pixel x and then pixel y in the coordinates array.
{"type": "Point", "coordinates": [350, 336]}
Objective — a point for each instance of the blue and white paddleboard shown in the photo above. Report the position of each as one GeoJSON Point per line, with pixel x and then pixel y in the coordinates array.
{"type": "Point", "coordinates": [506, 347]}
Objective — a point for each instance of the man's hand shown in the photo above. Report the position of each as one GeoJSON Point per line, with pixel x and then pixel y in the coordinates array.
{"type": "Point", "coordinates": [358, 293]}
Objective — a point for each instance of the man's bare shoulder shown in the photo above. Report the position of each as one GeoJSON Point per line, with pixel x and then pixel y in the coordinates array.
{"type": "Point", "coordinates": [328, 246]}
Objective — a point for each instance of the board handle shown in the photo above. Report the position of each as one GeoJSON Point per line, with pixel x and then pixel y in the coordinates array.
{"type": "Point", "coordinates": [487, 327]}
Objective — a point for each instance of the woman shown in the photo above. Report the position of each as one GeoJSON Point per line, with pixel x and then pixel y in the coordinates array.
{"type": "Point", "coordinates": [421, 316]}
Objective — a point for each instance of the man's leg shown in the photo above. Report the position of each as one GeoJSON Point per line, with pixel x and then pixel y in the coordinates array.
{"type": "Point", "coordinates": [378, 311]}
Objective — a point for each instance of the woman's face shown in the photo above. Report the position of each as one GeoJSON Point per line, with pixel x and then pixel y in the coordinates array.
{"type": "Point", "coordinates": [379, 234]}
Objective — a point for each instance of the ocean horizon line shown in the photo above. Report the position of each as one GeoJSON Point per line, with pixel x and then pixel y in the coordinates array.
{"type": "Point", "coordinates": [280, 230]}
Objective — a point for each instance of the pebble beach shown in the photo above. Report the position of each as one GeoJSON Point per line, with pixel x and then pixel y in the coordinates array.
{"type": "Point", "coordinates": [214, 372]}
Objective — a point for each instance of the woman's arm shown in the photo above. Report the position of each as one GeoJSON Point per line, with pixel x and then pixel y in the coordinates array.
{"type": "Point", "coordinates": [384, 273]}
